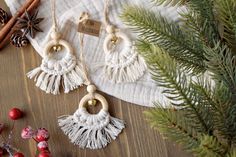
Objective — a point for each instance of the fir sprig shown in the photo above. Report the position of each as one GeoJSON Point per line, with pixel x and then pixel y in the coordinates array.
{"type": "Point", "coordinates": [202, 14]}
{"type": "Point", "coordinates": [232, 153]}
{"type": "Point", "coordinates": [221, 62]}
{"type": "Point", "coordinates": [157, 30]}
{"type": "Point", "coordinates": [205, 9]}
{"type": "Point", "coordinates": [204, 116]}
{"type": "Point", "coordinates": [227, 16]}
{"type": "Point", "coordinates": [167, 122]}
{"type": "Point", "coordinates": [177, 86]}
{"type": "Point", "coordinates": [210, 147]}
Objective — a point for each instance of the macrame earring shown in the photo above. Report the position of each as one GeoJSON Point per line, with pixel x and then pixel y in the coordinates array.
{"type": "Point", "coordinates": [53, 72]}
{"type": "Point", "coordinates": [120, 65]}
{"type": "Point", "coordinates": [93, 131]}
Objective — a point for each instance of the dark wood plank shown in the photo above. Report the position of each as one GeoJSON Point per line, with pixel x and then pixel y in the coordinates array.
{"type": "Point", "coordinates": [42, 110]}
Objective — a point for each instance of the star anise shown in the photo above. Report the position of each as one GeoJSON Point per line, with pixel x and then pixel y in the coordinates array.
{"type": "Point", "coordinates": [29, 24]}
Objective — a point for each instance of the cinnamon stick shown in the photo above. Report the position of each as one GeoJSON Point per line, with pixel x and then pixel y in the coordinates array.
{"type": "Point", "coordinates": [13, 20]}
{"type": "Point", "coordinates": [12, 29]}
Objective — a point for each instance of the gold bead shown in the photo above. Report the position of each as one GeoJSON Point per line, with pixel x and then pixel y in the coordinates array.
{"type": "Point", "coordinates": [92, 102]}
{"type": "Point", "coordinates": [114, 39]}
{"type": "Point", "coordinates": [57, 48]}
{"type": "Point", "coordinates": [54, 48]}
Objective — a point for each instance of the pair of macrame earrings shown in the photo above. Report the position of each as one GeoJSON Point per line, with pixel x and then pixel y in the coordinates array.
{"type": "Point", "coordinates": [93, 131]}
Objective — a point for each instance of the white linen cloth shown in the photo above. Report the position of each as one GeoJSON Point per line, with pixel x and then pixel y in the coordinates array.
{"type": "Point", "coordinates": [143, 92]}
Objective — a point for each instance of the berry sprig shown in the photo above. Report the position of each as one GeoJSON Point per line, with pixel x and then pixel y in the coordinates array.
{"type": "Point", "coordinates": [6, 143]}
{"type": "Point", "coordinates": [41, 137]}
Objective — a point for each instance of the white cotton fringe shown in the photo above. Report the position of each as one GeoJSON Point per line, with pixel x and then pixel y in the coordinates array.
{"type": "Point", "coordinates": [91, 131]}
{"type": "Point", "coordinates": [51, 74]}
{"type": "Point", "coordinates": [127, 67]}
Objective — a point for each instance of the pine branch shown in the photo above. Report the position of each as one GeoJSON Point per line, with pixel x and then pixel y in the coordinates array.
{"type": "Point", "coordinates": [190, 23]}
{"type": "Point", "coordinates": [205, 10]}
{"type": "Point", "coordinates": [227, 16]}
{"type": "Point", "coordinates": [200, 19]}
{"type": "Point", "coordinates": [232, 153]}
{"type": "Point", "coordinates": [170, 2]}
{"type": "Point", "coordinates": [172, 125]}
{"type": "Point", "coordinates": [229, 128]}
{"type": "Point", "coordinates": [206, 120]}
{"type": "Point", "coordinates": [184, 61]}
{"type": "Point", "coordinates": [216, 98]}
{"type": "Point", "coordinates": [221, 63]}
{"type": "Point", "coordinates": [222, 98]}
{"type": "Point", "coordinates": [167, 73]}
{"type": "Point", "coordinates": [202, 91]}
{"type": "Point", "coordinates": [216, 109]}
{"type": "Point", "coordinates": [210, 147]}
{"type": "Point", "coordinates": [156, 30]}
{"type": "Point", "coordinates": [199, 30]}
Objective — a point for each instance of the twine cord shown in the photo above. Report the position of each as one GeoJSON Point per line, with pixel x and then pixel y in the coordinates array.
{"type": "Point", "coordinates": [106, 12]}
{"type": "Point", "coordinates": [53, 14]}
{"type": "Point", "coordinates": [83, 18]}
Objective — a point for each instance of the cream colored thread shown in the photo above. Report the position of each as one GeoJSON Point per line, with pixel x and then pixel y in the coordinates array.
{"type": "Point", "coordinates": [55, 35]}
{"type": "Point", "coordinates": [106, 12]}
{"type": "Point", "coordinates": [110, 28]}
{"type": "Point", "coordinates": [53, 12]}
{"type": "Point", "coordinates": [83, 18]}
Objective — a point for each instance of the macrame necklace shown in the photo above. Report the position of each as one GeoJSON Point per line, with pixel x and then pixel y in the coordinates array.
{"type": "Point", "coordinates": [93, 131]}
{"type": "Point", "coordinates": [56, 72]}
{"type": "Point", "coordinates": [120, 66]}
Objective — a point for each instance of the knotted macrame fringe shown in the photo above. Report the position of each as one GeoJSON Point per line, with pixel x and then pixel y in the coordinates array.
{"type": "Point", "coordinates": [132, 69]}
{"type": "Point", "coordinates": [91, 131]}
{"type": "Point", "coordinates": [50, 83]}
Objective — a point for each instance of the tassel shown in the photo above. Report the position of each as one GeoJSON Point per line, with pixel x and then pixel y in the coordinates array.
{"type": "Point", "coordinates": [50, 84]}
{"type": "Point", "coordinates": [56, 86]}
{"type": "Point", "coordinates": [40, 79]}
{"type": "Point", "coordinates": [91, 131]}
{"type": "Point", "coordinates": [123, 66]}
{"type": "Point", "coordinates": [51, 74]}
{"type": "Point", "coordinates": [33, 73]}
{"type": "Point", "coordinates": [44, 84]}
{"type": "Point", "coordinates": [129, 71]}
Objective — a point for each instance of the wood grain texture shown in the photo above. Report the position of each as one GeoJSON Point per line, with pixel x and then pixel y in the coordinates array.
{"type": "Point", "coordinates": [42, 110]}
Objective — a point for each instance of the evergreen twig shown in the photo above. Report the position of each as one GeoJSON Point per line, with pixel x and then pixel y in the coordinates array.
{"type": "Point", "coordinates": [157, 30]}
{"type": "Point", "coordinates": [204, 117]}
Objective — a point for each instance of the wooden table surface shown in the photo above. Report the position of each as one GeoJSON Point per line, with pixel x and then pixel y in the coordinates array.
{"type": "Point", "coordinates": [42, 110]}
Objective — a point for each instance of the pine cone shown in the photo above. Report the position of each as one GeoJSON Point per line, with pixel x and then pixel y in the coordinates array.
{"type": "Point", "coordinates": [3, 16]}
{"type": "Point", "coordinates": [18, 40]}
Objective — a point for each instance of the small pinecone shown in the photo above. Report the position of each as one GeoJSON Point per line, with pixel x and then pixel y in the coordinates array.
{"type": "Point", "coordinates": [18, 40]}
{"type": "Point", "coordinates": [3, 16]}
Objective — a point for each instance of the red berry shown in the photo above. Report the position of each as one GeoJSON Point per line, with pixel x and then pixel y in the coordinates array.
{"type": "Point", "coordinates": [27, 133]}
{"type": "Point", "coordinates": [15, 114]}
{"type": "Point", "coordinates": [42, 146]}
{"type": "Point", "coordinates": [42, 135]}
{"type": "Point", "coordinates": [18, 154]}
{"type": "Point", "coordinates": [44, 154]}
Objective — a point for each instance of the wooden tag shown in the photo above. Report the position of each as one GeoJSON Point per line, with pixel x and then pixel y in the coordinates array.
{"type": "Point", "coordinates": [90, 27]}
